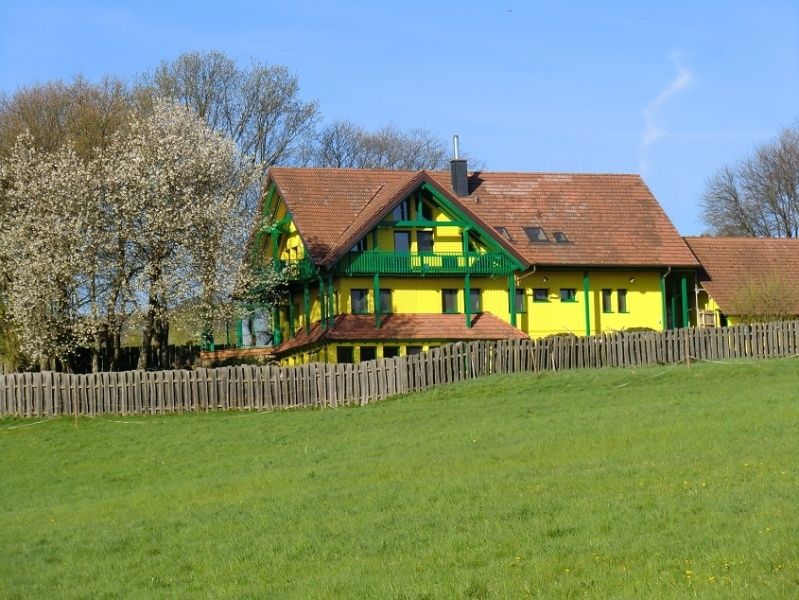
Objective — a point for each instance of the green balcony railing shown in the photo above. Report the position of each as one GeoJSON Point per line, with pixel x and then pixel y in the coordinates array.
{"type": "Point", "coordinates": [299, 270]}
{"type": "Point", "coordinates": [422, 264]}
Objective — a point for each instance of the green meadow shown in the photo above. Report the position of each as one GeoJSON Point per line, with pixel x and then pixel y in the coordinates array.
{"type": "Point", "coordinates": [646, 483]}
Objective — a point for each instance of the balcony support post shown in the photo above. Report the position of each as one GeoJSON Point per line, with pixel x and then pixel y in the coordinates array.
{"type": "Point", "coordinates": [291, 317]}
{"type": "Point", "coordinates": [512, 298]}
{"type": "Point", "coordinates": [277, 335]}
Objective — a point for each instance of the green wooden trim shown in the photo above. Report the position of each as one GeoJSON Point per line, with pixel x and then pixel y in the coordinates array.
{"type": "Point", "coordinates": [376, 289]}
{"type": "Point", "coordinates": [488, 239]}
{"type": "Point", "coordinates": [467, 300]}
{"type": "Point", "coordinates": [240, 333]}
{"type": "Point", "coordinates": [512, 298]}
{"type": "Point", "coordinates": [307, 306]}
{"type": "Point", "coordinates": [684, 298]}
{"type": "Point", "coordinates": [663, 301]}
{"type": "Point", "coordinates": [421, 223]}
{"type": "Point", "coordinates": [586, 291]}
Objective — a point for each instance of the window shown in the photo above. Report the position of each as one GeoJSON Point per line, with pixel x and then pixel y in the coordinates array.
{"type": "Point", "coordinates": [540, 295]}
{"type": "Point", "coordinates": [560, 237]}
{"type": "Point", "coordinates": [411, 350]}
{"type": "Point", "coordinates": [536, 234]}
{"type": "Point", "coordinates": [568, 295]}
{"type": "Point", "coordinates": [521, 305]}
{"type": "Point", "coordinates": [475, 300]}
{"type": "Point", "coordinates": [606, 301]}
{"type": "Point", "coordinates": [449, 301]}
{"type": "Point", "coordinates": [402, 241]}
{"type": "Point", "coordinates": [390, 351]}
{"type": "Point", "coordinates": [368, 352]}
{"type": "Point", "coordinates": [503, 231]}
{"type": "Point", "coordinates": [385, 302]}
{"type": "Point", "coordinates": [359, 300]}
{"type": "Point", "coordinates": [360, 246]}
{"type": "Point", "coordinates": [621, 298]}
{"type": "Point", "coordinates": [424, 241]}
{"type": "Point", "coordinates": [401, 212]}
{"type": "Point", "coordinates": [427, 212]}
{"type": "Point", "coordinates": [344, 354]}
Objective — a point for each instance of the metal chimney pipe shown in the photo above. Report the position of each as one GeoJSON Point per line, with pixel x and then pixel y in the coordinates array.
{"type": "Point", "coordinates": [458, 175]}
{"type": "Point", "coordinates": [455, 147]}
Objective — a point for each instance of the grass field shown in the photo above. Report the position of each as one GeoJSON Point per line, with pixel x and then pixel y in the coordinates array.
{"type": "Point", "coordinates": [647, 483]}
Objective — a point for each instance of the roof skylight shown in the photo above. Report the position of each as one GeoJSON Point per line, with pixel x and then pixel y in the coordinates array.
{"type": "Point", "coordinates": [536, 234]}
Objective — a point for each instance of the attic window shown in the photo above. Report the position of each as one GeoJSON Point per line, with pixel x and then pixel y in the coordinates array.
{"type": "Point", "coordinates": [536, 234]}
{"type": "Point", "coordinates": [560, 237]}
{"type": "Point", "coordinates": [503, 231]}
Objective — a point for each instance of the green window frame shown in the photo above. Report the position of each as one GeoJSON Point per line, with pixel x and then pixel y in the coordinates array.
{"type": "Point", "coordinates": [386, 304]}
{"type": "Point", "coordinates": [424, 241]}
{"type": "Point", "coordinates": [621, 300]}
{"type": "Point", "coordinates": [359, 301]}
{"type": "Point", "coordinates": [607, 300]}
{"type": "Point", "coordinates": [568, 294]}
{"type": "Point", "coordinates": [540, 294]}
{"type": "Point", "coordinates": [476, 300]}
{"type": "Point", "coordinates": [449, 302]}
{"type": "Point", "coordinates": [402, 240]}
{"type": "Point", "coordinates": [520, 300]}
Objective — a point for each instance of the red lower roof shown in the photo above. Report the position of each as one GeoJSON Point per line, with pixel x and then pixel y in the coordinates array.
{"type": "Point", "coordinates": [432, 327]}
{"type": "Point", "coordinates": [745, 275]}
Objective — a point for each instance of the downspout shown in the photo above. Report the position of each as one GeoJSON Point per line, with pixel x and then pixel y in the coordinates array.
{"type": "Point", "coordinates": [663, 297]}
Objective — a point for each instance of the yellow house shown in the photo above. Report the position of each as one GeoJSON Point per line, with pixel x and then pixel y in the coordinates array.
{"type": "Point", "coordinates": [745, 279]}
{"type": "Point", "coordinates": [385, 263]}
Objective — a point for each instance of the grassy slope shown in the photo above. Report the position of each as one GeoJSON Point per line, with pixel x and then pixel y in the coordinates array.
{"type": "Point", "coordinates": [648, 483]}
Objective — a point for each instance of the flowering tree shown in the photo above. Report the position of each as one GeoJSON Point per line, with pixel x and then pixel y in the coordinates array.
{"type": "Point", "coordinates": [154, 223]}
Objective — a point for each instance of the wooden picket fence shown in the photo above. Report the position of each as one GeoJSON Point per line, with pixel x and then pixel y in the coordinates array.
{"type": "Point", "coordinates": [319, 385]}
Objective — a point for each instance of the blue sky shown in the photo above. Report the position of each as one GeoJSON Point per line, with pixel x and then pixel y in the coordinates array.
{"type": "Point", "coordinates": [672, 91]}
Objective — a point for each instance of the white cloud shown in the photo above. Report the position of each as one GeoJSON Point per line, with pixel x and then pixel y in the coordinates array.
{"type": "Point", "coordinates": [653, 132]}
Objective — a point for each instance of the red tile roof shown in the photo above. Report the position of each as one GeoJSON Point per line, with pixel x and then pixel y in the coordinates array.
{"type": "Point", "coordinates": [730, 265]}
{"type": "Point", "coordinates": [609, 220]}
{"type": "Point", "coordinates": [432, 327]}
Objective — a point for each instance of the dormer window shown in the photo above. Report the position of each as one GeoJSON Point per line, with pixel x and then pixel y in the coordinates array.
{"type": "Point", "coordinates": [536, 234]}
{"type": "Point", "coordinates": [560, 237]}
{"type": "Point", "coordinates": [503, 231]}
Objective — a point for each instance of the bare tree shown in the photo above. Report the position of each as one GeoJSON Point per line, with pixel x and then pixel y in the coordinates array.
{"type": "Point", "coordinates": [81, 113]}
{"type": "Point", "coordinates": [344, 144]}
{"type": "Point", "coordinates": [760, 196]}
{"type": "Point", "coordinates": [258, 107]}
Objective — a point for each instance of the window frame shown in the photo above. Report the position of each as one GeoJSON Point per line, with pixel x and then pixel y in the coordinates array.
{"type": "Point", "coordinates": [382, 292]}
{"type": "Point", "coordinates": [520, 293]}
{"type": "Point", "coordinates": [402, 211]}
{"type": "Point", "coordinates": [607, 301]}
{"type": "Point", "coordinates": [560, 238]}
{"type": "Point", "coordinates": [360, 245]}
{"type": "Point", "coordinates": [546, 295]}
{"type": "Point", "coordinates": [621, 301]}
{"type": "Point", "coordinates": [475, 293]}
{"type": "Point", "coordinates": [537, 239]}
{"type": "Point", "coordinates": [394, 352]}
{"type": "Point", "coordinates": [350, 350]}
{"type": "Point", "coordinates": [373, 349]}
{"type": "Point", "coordinates": [424, 233]}
{"type": "Point", "coordinates": [571, 293]}
{"type": "Point", "coordinates": [403, 232]}
{"type": "Point", "coordinates": [365, 300]}
{"type": "Point", "coordinates": [453, 293]}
